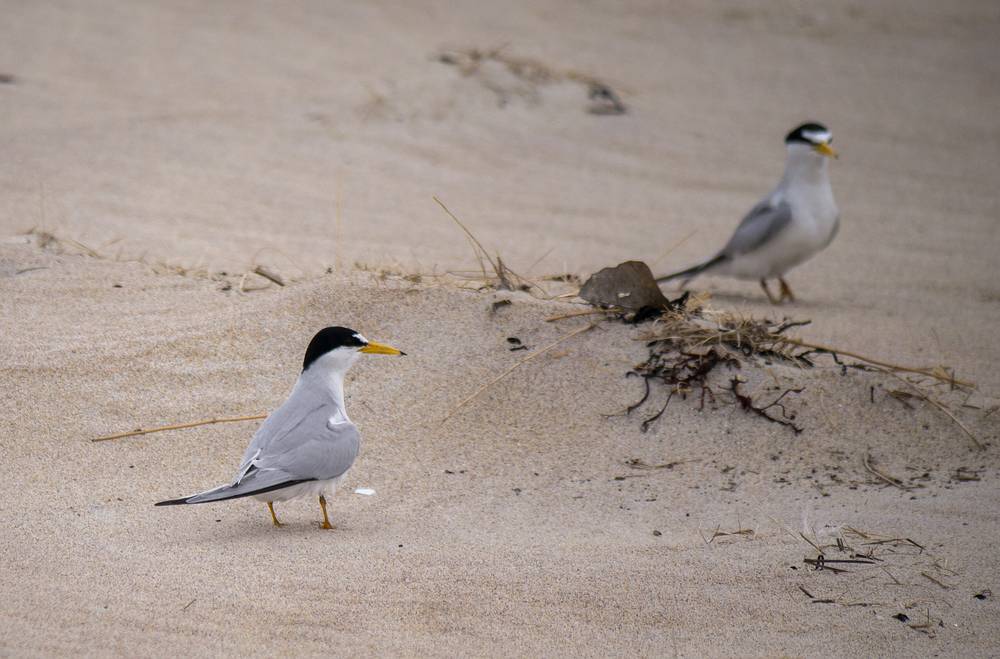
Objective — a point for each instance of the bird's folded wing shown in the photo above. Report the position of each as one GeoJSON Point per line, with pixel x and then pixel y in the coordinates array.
{"type": "Point", "coordinates": [761, 224]}
{"type": "Point", "coordinates": [285, 420]}
{"type": "Point", "coordinates": [314, 449]}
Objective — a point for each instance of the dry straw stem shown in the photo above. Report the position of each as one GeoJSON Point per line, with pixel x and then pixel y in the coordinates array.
{"type": "Point", "coordinates": [944, 410]}
{"type": "Point", "coordinates": [670, 249]}
{"type": "Point", "coordinates": [540, 351]}
{"type": "Point", "coordinates": [814, 545]}
{"type": "Point", "coordinates": [697, 326]}
{"type": "Point", "coordinates": [749, 533]}
{"type": "Point", "coordinates": [583, 312]}
{"type": "Point", "coordinates": [178, 426]}
{"type": "Point", "coordinates": [937, 373]}
{"type": "Point", "coordinates": [269, 274]}
{"type": "Point", "coordinates": [895, 482]}
{"type": "Point", "coordinates": [930, 577]}
{"type": "Point", "coordinates": [504, 276]}
{"type": "Point", "coordinates": [481, 250]}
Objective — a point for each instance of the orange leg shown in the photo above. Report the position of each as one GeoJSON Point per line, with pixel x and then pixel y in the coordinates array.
{"type": "Point", "coordinates": [767, 291]}
{"type": "Point", "coordinates": [786, 291]}
{"type": "Point", "coordinates": [274, 518]}
{"type": "Point", "coordinates": [326, 520]}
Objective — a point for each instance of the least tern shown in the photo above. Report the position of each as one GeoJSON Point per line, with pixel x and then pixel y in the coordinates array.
{"type": "Point", "coordinates": [787, 227]}
{"type": "Point", "coordinates": [306, 446]}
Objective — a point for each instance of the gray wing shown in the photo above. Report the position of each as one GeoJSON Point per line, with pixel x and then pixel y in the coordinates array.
{"type": "Point", "coordinates": [311, 446]}
{"type": "Point", "coordinates": [301, 444]}
{"type": "Point", "coordinates": [315, 450]}
{"type": "Point", "coordinates": [761, 224]}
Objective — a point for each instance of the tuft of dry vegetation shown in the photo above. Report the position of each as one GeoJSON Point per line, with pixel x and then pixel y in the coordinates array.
{"type": "Point", "coordinates": [689, 342]}
{"type": "Point", "coordinates": [891, 572]}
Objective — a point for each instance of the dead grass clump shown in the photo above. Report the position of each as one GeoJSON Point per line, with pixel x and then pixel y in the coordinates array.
{"type": "Point", "coordinates": [689, 341]}
{"type": "Point", "coordinates": [499, 275]}
{"type": "Point", "coordinates": [887, 572]}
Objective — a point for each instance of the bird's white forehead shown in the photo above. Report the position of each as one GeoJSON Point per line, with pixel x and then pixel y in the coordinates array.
{"type": "Point", "coordinates": [359, 337]}
{"type": "Point", "coordinates": [817, 136]}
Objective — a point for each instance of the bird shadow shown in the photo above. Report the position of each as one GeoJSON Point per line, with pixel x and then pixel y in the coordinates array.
{"type": "Point", "coordinates": [249, 529]}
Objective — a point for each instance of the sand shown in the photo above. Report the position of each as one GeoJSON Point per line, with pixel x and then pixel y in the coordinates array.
{"type": "Point", "coordinates": [172, 148]}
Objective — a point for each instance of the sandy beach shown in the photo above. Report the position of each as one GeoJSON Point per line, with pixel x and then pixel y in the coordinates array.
{"type": "Point", "coordinates": [158, 157]}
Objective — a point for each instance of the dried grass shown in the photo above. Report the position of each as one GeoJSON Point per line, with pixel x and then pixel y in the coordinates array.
{"type": "Point", "coordinates": [689, 339]}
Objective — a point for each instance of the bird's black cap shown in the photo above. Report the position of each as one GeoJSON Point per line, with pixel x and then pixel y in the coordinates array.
{"type": "Point", "coordinates": [331, 338]}
{"type": "Point", "coordinates": [809, 133]}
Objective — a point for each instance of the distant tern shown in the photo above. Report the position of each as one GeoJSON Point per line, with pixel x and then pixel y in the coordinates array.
{"type": "Point", "coordinates": [787, 227]}
{"type": "Point", "coordinates": [306, 446]}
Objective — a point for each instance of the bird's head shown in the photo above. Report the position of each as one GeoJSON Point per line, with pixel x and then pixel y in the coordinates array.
{"type": "Point", "coordinates": [811, 138]}
{"type": "Point", "coordinates": [337, 348]}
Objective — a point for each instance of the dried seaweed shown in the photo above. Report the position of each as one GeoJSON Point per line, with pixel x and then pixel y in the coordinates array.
{"type": "Point", "coordinates": [687, 344]}
{"type": "Point", "coordinates": [688, 341]}
{"type": "Point", "coordinates": [747, 404]}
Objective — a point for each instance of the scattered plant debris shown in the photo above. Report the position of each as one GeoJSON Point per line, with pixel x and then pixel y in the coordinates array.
{"type": "Point", "coordinates": [859, 573]}
{"type": "Point", "coordinates": [636, 463]}
{"type": "Point", "coordinates": [178, 426]}
{"type": "Point", "coordinates": [503, 278]}
{"type": "Point", "coordinates": [881, 475]}
{"type": "Point", "coordinates": [688, 341]}
{"type": "Point", "coordinates": [963, 475]}
{"type": "Point", "coordinates": [821, 562]}
{"type": "Point", "coordinates": [525, 76]}
{"type": "Point", "coordinates": [269, 274]}
{"type": "Point", "coordinates": [747, 404]}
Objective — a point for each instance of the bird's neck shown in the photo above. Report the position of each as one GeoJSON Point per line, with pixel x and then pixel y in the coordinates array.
{"type": "Point", "coordinates": [808, 168]}
{"type": "Point", "coordinates": [328, 386]}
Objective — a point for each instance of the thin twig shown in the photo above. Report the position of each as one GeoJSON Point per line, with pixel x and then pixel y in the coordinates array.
{"type": "Point", "coordinates": [670, 249]}
{"type": "Point", "coordinates": [895, 482]}
{"type": "Point", "coordinates": [929, 372]}
{"type": "Point", "coordinates": [480, 390]}
{"type": "Point", "coordinates": [574, 314]}
{"type": "Point", "coordinates": [179, 426]}
{"type": "Point", "coordinates": [922, 396]}
{"type": "Point", "coordinates": [266, 273]}
{"type": "Point", "coordinates": [814, 545]}
{"type": "Point", "coordinates": [938, 582]}
{"type": "Point", "coordinates": [468, 233]}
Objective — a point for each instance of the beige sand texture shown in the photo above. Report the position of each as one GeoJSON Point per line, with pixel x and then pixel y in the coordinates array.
{"type": "Point", "coordinates": [172, 147]}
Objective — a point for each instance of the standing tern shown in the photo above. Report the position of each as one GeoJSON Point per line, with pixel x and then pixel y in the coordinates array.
{"type": "Point", "coordinates": [307, 445]}
{"type": "Point", "coordinates": [787, 227]}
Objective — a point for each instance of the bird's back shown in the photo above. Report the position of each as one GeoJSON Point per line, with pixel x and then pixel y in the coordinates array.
{"type": "Point", "coordinates": [306, 437]}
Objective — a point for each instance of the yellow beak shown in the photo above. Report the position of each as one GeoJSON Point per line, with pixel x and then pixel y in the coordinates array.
{"type": "Point", "coordinates": [827, 150]}
{"type": "Point", "coordinates": [381, 349]}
